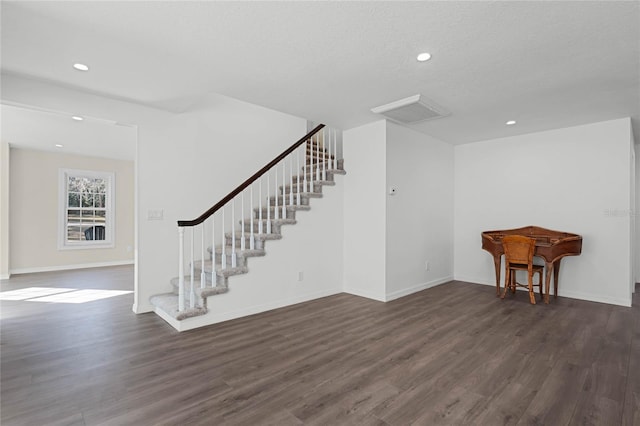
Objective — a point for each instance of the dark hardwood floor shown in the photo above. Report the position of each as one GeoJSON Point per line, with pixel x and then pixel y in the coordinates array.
{"type": "Point", "coordinates": [453, 354]}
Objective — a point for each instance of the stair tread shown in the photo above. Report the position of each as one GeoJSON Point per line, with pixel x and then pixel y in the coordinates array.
{"type": "Point", "coordinates": [263, 237]}
{"type": "Point", "coordinates": [289, 207]}
{"type": "Point", "coordinates": [168, 302]}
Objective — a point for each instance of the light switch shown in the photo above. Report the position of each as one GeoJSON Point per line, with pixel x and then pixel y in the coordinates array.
{"type": "Point", "coordinates": [155, 214]}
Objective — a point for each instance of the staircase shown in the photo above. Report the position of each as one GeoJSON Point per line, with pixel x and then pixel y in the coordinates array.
{"type": "Point", "coordinates": [243, 221]}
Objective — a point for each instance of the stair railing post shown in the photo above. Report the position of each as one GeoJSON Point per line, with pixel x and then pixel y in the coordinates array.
{"type": "Point", "coordinates": [252, 244]}
{"type": "Point", "coordinates": [223, 256]}
{"type": "Point", "coordinates": [291, 178]}
{"type": "Point", "coordinates": [242, 235]}
{"type": "Point", "coordinates": [192, 271]}
{"type": "Point", "coordinates": [202, 276]}
{"type": "Point", "coordinates": [269, 204]}
{"type": "Point", "coordinates": [329, 151]}
{"type": "Point", "coordinates": [275, 210]}
{"type": "Point", "coordinates": [298, 182]}
{"type": "Point", "coordinates": [180, 268]}
{"type": "Point", "coordinates": [260, 206]}
{"type": "Point", "coordinates": [213, 250]}
{"type": "Point", "coordinates": [306, 156]}
{"type": "Point", "coordinates": [284, 188]}
{"type": "Point", "coordinates": [317, 158]}
{"type": "Point", "coordinates": [233, 233]}
{"type": "Point", "coordinates": [324, 156]}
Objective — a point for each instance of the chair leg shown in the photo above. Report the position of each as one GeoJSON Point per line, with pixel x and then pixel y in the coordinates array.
{"type": "Point", "coordinates": [513, 282]}
{"type": "Point", "coordinates": [507, 282]}
{"type": "Point", "coordinates": [540, 285]}
{"type": "Point", "coordinates": [532, 296]}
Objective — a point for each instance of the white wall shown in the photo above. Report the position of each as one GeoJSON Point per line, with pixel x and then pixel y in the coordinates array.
{"type": "Point", "coordinates": [365, 210]}
{"type": "Point", "coordinates": [388, 238]}
{"type": "Point", "coordinates": [419, 217]}
{"type": "Point", "coordinates": [34, 212]}
{"type": "Point", "coordinates": [574, 179]}
{"type": "Point", "coordinates": [4, 210]}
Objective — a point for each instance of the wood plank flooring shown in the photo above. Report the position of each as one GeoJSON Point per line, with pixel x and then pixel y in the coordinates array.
{"type": "Point", "coordinates": [454, 354]}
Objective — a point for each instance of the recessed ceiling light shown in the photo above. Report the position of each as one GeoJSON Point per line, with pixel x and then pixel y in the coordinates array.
{"type": "Point", "coordinates": [59, 146]}
{"type": "Point", "coordinates": [424, 57]}
{"type": "Point", "coordinates": [81, 67]}
{"type": "Point", "coordinates": [77, 118]}
{"type": "Point", "coordinates": [510, 123]}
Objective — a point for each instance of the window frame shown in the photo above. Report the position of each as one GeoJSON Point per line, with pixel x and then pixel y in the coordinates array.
{"type": "Point", "coordinates": [109, 225]}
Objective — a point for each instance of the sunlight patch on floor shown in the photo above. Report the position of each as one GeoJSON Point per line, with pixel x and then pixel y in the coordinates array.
{"type": "Point", "coordinates": [60, 295]}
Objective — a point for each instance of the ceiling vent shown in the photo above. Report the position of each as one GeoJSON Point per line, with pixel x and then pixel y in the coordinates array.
{"type": "Point", "coordinates": [411, 110]}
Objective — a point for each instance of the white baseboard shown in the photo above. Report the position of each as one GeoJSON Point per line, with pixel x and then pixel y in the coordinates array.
{"type": "Point", "coordinates": [214, 318]}
{"type": "Point", "coordinates": [594, 298]}
{"type": "Point", "coordinates": [67, 267]}
{"type": "Point", "coordinates": [5, 276]}
{"type": "Point", "coordinates": [407, 291]}
{"type": "Point", "coordinates": [139, 308]}
{"type": "Point", "coordinates": [364, 293]}
{"type": "Point", "coordinates": [563, 293]}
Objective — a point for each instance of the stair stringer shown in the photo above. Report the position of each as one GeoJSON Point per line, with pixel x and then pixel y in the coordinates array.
{"type": "Point", "coordinates": [314, 246]}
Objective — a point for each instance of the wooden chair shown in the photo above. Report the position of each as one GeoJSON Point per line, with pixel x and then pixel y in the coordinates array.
{"type": "Point", "coordinates": [518, 253]}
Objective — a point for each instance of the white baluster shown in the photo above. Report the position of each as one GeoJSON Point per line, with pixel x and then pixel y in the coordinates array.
{"type": "Point", "coordinates": [275, 210]}
{"type": "Point", "coordinates": [291, 179]}
{"type": "Point", "coordinates": [324, 159]}
{"type": "Point", "coordinates": [213, 250]}
{"type": "Point", "coordinates": [242, 243]}
{"type": "Point", "coordinates": [335, 150]}
{"type": "Point", "coordinates": [317, 158]}
{"type": "Point", "coordinates": [192, 293]}
{"type": "Point", "coordinates": [223, 256]}
{"type": "Point", "coordinates": [233, 233]}
{"type": "Point", "coordinates": [298, 182]}
{"type": "Point", "coordinates": [180, 269]}
{"type": "Point", "coordinates": [252, 244]}
{"type": "Point", "coordinates": [268, 204]}
{"type": "Point", "coordinates": [306, 156]}
{"type": "Point", "coordinates": [329, 150]}
{"type": "Point", "coordinates": [260, 205]}
{"type": "Point", "coordinates": [202, 278]}
{"type": "Point", "coordinates": [284, 183]}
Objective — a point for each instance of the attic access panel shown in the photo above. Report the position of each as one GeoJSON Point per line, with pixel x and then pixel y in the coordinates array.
{"type": "Point", "coordinates": [413, 109]}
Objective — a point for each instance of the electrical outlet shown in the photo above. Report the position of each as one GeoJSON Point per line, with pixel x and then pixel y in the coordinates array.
{"type": "Point", "coordinates": [300, 276]}
{"type": "Point", "coordinates": [427, 267]}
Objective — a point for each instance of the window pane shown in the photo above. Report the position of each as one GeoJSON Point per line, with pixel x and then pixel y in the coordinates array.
{"type": "Point", "coordinates": [73, 185]}
{"type": "Point", "coordinates": [100, 200]}
{"type": "Point", "coordinates": [74, 199]}
{"type": "Point", "coordinates": [73, 216]}
{"type": "Point", "coordinates": [74, 233]}
{"type": "Point", "coordinates": [85, 184]}
{"type": "Point", "coordinates": [88, 216]}
{"type": "Point", "coordinates": [99, 186]}
{"type": "Point", "coordinates": [87, 200]}
{"type": "Point", "coordinates": [91, 233]}
{"type": "Point", "coordinates": [101, 217]}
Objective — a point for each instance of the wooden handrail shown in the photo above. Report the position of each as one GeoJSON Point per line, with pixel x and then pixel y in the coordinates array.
{"type": "Point", "coordinates": [204, 216]}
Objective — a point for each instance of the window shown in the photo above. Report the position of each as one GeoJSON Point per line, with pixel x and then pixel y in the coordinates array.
{"type": "Point", "coordinates": [86, 209]}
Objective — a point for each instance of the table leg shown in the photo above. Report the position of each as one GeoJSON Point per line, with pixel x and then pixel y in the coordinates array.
{"type": "Point", "coordinates": [547, 279]}
{"type": "Point", "coordinates": [556, 274]}
{"type": "Point", "coordinates": [496, 262]}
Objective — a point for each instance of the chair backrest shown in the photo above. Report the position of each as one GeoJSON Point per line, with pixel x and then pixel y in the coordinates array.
{"type": "Point", "coordinates": [518, 249]}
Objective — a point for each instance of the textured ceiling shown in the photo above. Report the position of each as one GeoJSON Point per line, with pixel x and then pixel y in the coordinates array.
{"type": "Point", "coordinates": [546, 64]}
